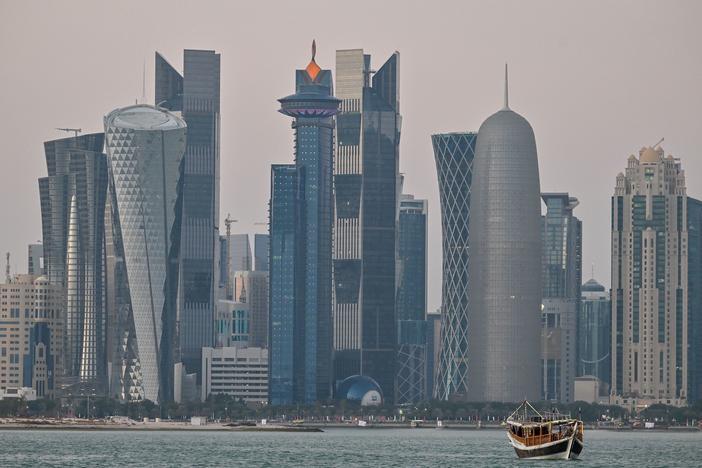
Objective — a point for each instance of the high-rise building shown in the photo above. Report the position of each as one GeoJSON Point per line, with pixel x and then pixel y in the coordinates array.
{"type": "Point", "coordinates": [234, 255]}
{"type": "Point", "coordinates": [366, 181]}
{"type": "Point", "coordinates": [412, 301]}
{"type": "Point", "coordinates": [251, 287]}
{"type": "Point", "coordinates": [196, 93]}
{"type": "Point", "coordinates": [694, 281]}
{"type": "Point", "coordinates": [223, 256]}
{"type": "Point", "coordinates": [313, 107]}
{"type": "Point", "coordinates": [454, 154]}
{"type": "Point", "coordinates": [31, 334]}
{"type": "Point", "coordinates": [433, 349]}
{"type": "Point", "coordinates": [35, 259]}
{"type": "Point", "coordinates": [72, 211]}
{"type": "Point", "coordinates": [145, 147]}
{"type": "Point", "coordinates": [261, 242]}
{"type": "Point", "coordinates": [562, 275]}
{"type": "Point", "coordinates": [232, 324]}
{"type": "Point", "coordinates": [595, 334]}
{"type": "Point", "coordinates": [239, 253]}
{"type": "Point", "coordinates": [652, 305]}
{"type": "Point", "coordinates": [504, 290]}
{"type": "Point", "coordinates": [283, 283]}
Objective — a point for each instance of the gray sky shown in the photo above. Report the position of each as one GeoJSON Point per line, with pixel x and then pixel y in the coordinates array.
{"type": "Point", "coordinates": [597, 80]}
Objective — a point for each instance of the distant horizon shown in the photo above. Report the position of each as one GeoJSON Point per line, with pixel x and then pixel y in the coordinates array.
{"type": "Point", "coordinates": [596, 80]}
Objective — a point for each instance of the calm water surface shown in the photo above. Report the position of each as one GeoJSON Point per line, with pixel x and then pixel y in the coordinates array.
{"type": "Point", "coordinates": [333, 448]}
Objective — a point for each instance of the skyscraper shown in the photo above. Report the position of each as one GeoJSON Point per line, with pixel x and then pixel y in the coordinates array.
{"type": "Point", "coordinates": [72, 211]}
{"type": "Point", "coordinates": [35, 259]}
{"type": "Point", "coordinates": [145, 147]}
{"type": "Point", "coordinates": [252, 286]}
{"type": "Point", "coordinates": [433, 349]}
{"type": "Point", "coordinates": [454, 154]}
{"type": "Point", "coordinates": [595, 333]}
{"type": "Point", "coordinates": [196, 94]}
{"type": "Point", "coordinates": [366, 176]}
{"type": "Point", "coordinates": [239, 253]}
{"type": "Point", "coordinates": [412, 301]}
{"type": "Point", "coordinates": [261, 242]}
{"type": "Point", "coordinates": [651, 307]}
{"type": "Point", "coordinates": [562, 275]}
{"type": "Point", "coordinates": [313, 107]}
{"type": "Point", "coordinates": [283, 283]}
{"type": "Point", "coordinates": [694, 281]}
{"type": "Point", "coordinates": [505, 261]}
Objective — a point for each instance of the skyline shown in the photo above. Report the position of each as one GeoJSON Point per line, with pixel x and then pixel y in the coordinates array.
{"type": "Point", "coordinates": [592, 100]}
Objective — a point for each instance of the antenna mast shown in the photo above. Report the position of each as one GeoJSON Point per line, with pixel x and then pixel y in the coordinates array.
{"type": "Point", "coordinates": [8, 279]}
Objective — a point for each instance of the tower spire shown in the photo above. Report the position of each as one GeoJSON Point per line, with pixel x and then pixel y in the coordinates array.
{"type": "Point", "coordinates": [313, 69]}
{"type": "Point", "coordinates": [506, 107]}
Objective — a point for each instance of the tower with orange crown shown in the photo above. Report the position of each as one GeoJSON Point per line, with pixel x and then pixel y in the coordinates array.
{"type": "Point", "coordinates": [301, 218]}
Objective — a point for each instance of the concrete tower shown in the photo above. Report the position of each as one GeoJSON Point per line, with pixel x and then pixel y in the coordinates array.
{"type": "Point", "coordinates": [505, 262]}
{"type": "Point", "coordinates": [651, 301]}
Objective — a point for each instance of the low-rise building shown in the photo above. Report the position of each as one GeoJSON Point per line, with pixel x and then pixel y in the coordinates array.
{"type": "Point", "coordinates": [240, 372]}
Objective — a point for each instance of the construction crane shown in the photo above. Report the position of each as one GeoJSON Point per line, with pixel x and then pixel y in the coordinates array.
{"type": "Point", "coordinates": [75, 131]}
{"type": "Point", "coordinates": [228, 222]}
{"type": "Point", "coordinates": [659, 142]}
{"type": "Point", "coordinates": [7, 269]}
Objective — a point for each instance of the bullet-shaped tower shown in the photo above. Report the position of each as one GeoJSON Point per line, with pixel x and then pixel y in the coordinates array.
{"type": "Point", "coordinates": [504, 325]}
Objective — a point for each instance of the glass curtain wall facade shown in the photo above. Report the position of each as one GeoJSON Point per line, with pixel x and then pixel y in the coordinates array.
{"type": "Point", "coordinates": [283, 282]}
{"type": "Point", "coordinates": [694, 281]}
{"type": "Point", "coordinates": [313, 107]}
{"type": "Point", "coordinates": [199, 102]}
{"type": "Point", "coordinates": [562, 276]}
{"type": "Point", "coordinates": [454, 153]}
{"type": "Point", "coordinates": [145, 147]}
{"type": "Point", "coordinates": [252, 286]}
{"type": "Point", "coordinates": [35, 259]}
{"type": "Point", "coordinates": [504, 290]}
{"type": "Point", "coordinates": [595, 334]}
{"type": "Point", "coordinates": [366, 178]}
{"type": "Point", "coordinates": [650, 302]}
{"type": "Point", "coordinates": [412, 301]}
{"type": "Point", "coordinates": [261, 242]}
{"type": "Point", "coordinates": [73, 205]}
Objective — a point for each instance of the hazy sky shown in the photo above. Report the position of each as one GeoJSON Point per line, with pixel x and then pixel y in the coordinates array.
{"type": "Point", "coordinates": [597, 80]}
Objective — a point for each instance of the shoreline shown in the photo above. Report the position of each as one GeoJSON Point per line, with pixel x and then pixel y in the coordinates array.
{"type": "Point", "coordinates": [49, 425]}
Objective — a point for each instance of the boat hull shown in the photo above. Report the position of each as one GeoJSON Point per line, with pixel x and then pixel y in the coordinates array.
{"type": "Point", "coordinates": [562, 449]}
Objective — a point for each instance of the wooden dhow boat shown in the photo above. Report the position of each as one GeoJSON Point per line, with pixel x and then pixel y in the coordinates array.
{"type": "Point", "coordinates": [553, 435]}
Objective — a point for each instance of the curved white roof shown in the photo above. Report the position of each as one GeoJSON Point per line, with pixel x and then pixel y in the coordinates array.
{"type": "Point", "coordinates": [144, 117]}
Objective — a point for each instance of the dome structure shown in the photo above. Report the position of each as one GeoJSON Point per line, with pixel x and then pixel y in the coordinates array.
{"type": "Point", "coordinates": [361, 389]}
{"type": "Point", "coordinates": [592, 286]}
{"type": "Point", "coordinates": [650, 155]}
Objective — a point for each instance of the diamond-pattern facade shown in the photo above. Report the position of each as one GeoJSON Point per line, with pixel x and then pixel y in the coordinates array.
{"type": "Point", "coordinates": [145, 160]}
{"type": "Point", "coordinates": [454, 154]}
